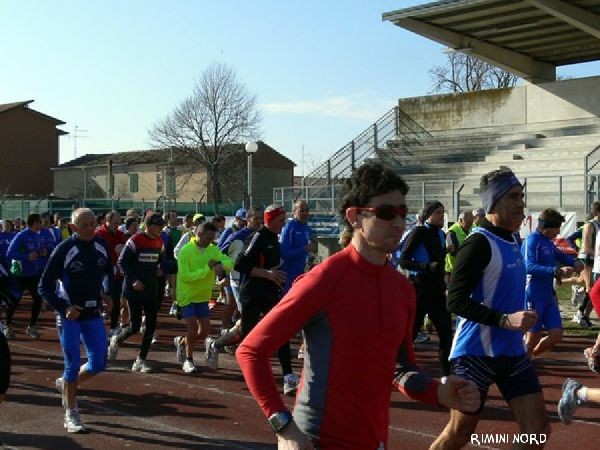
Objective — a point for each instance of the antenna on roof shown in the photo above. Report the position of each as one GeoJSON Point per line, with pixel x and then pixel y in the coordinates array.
{"type": "Point", "coordinates": [77, 135]}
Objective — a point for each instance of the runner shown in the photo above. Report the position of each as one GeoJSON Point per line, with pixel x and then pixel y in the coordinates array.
{"type": "Point", "coordinates": [174, 232]}
{"type": "Point", "coordinates": [260, 290]}
{"type": "Point", "coordinates": [541, 256]}
{"type": "Point", "coordinates": [239, 222]}
{"type": "Point", "coordinates": [115, 240]}
{"type": "Point", "coordinates": [352, 304]}
{"type": "Point", "coordinates": [24, 251]}
{"type": "Point", "coordinates": [588, 257]}
{"type": "Point", "coordinates": [233, 247]}
{"type": "Point", "coordinates": [199, 263]}
{"type": "Point", "coordinates": [456, 235]}
{"type": "Point", "coordinates": [296, 244]}
{"type": "Point", "coordinates": [140, 262]}
{"type": "Point", "coordinates": [487, 292]}
{"type": "Point", "coordinates": [82, 266]}
{"type": "Point", "coordinates": [424, 254]}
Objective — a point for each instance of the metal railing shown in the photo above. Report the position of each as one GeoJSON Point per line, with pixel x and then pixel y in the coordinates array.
{"type": "Point", "coordinates": [562, 192]}
{"type": "Point", "coordinates": [395, 127]}
{"type": "Point", "coordinates": [591, 160]}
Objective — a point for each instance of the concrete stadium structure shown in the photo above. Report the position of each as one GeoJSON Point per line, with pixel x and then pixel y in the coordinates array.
{"type": "Point", "coordinates": [547, 131]}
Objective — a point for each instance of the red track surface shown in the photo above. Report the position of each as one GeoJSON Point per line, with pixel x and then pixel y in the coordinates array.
{"type": "Point", "coordinates": [213, 410]}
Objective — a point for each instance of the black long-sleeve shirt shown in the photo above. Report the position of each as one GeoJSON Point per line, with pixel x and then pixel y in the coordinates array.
{"type": "Point", "coordinates": [261, 250]}
{"type": "Point", "coordinates": [430, 238]}
{"type": "Point", "coordinates": [140, 260]}
{"type": "Point", "coordinates": [472, 258]}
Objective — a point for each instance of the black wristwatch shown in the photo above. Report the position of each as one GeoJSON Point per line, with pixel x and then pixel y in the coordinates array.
{"type": "Point", "coordinates": [280, 420]}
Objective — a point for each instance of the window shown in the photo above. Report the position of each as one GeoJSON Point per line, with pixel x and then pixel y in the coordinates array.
{"type": "Point", "coordinates": [171, 185]}
{"type": "Point", "coordinates": [159, 182]}
{"type": "Point", "coordinates": [133, 182]}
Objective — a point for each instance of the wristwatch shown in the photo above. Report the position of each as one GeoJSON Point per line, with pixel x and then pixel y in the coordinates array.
{"type": "Point", "coordinates": [280, 420]}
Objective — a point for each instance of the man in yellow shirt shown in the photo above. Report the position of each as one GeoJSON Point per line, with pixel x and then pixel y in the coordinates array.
{"type": "Point", "coordinates": [199, 262]}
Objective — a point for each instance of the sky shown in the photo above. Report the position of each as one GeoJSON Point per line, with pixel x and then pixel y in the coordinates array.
{"type": "Point", "coordinates": [322, 71]}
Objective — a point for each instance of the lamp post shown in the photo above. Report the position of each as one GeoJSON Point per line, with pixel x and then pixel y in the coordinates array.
{"type": "Point", "coordinates": [251, 148]}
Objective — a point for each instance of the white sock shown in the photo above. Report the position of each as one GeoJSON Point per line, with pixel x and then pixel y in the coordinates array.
{"type": "Point", "coordinates": [581, 394]}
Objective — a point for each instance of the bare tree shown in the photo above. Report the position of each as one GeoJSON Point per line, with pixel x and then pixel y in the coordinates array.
{"type": "Point", "coordinates": [209, 126]}
{"type": "Point", "coordinates": [464, 73]}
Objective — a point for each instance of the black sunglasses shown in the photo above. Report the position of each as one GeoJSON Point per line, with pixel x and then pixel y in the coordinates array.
{"type": "Point", "coordinates": [385, 212]}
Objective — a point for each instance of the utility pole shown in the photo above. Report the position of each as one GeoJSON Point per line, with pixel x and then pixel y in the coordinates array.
{"type": "Point", "coordinates": [77, 135]}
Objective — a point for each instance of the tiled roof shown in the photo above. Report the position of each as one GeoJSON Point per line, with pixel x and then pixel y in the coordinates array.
{"type": "Point", "coordinates": [266, 156]}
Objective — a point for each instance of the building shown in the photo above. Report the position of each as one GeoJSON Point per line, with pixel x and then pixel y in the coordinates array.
{"type": "Point", "coordinates": [29, 147]}
{"type": "Point", "coordinates": [153, 174]}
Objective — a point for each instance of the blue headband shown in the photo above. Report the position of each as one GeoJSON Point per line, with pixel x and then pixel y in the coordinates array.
{"type": "Point", "coordinates": [496, 188]}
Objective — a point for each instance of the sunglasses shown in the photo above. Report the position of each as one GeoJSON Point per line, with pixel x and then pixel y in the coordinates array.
{"type": "Point", "coordinates": [385, 212]}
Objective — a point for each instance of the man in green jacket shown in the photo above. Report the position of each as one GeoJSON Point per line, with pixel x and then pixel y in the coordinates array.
{"type": "Point", "coordinates": [456, 235]}
{"type": "Point", "coordinates": [199, 262]}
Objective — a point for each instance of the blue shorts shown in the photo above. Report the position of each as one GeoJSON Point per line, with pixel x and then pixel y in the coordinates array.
{"type": "Point", "coordinates": [200, 310]}
{"type": "Point", "coordinates": [514, 375]}
{"type": "Point", "coordinates": [93, 335]}
{"type": "Point", "coordinates": [548, 316]}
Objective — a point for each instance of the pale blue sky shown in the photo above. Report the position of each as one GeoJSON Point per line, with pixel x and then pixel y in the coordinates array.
{"type": "Point", "coordinates": [322, 71]}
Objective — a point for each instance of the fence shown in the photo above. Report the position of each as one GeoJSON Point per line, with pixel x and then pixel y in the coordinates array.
{"type": "Point", "coordinates": [563, 192]}
{"type": "Point", "coordinates": [13, 208]}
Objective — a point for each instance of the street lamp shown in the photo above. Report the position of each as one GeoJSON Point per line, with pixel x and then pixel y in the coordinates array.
{"type": "Point", "coordinates": [251, 148]}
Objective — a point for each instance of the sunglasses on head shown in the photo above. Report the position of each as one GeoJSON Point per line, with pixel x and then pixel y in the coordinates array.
{"type": "Point", "coordinates": [385, 212]}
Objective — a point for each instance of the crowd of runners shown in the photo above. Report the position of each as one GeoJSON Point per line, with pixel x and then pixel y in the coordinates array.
{"type": "Point", "coordinates": [105, 277]}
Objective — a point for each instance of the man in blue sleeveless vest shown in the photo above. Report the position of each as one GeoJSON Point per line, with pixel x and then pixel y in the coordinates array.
{"type": "Point", "coordinates": [487, 292]}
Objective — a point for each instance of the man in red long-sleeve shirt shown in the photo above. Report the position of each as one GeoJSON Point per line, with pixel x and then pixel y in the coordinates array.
{"type": "Point", "coordinates": [352, 304]}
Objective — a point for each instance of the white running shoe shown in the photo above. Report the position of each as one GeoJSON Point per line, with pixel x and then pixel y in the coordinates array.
{"type": "Point", "coordinates": [211, 354]}
{"type": "Point", "coordinates": [32, 331]}
{"type": "Point", "coordinates": [73, 422]}
{"type": "Point", "coordinates": [582, 320]}
{"type": "Point", "coordinates": [113, 348]}
{"type": "Point", "coordinates": [155, 337]}
{"type": "Point", "coordinates": [290, 383]}
{"type": "Point", "coordinates": [60, 385]}
{"type": "Point", "coordinates": [173, 310]}
{"type": "Point", "coordinates": [140, 365]}
{"type": "Point", "coordinates": [9, 334]}
{"type": "Point", "coordinates": [180, 347]}
{"type": "Point", "coordinates": [569, 402]}
{"type": "Point", "coordinates": [189, 366]}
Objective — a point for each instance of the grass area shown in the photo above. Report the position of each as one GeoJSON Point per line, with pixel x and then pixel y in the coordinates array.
{"type": "Point", "coordinates": [564, 299]}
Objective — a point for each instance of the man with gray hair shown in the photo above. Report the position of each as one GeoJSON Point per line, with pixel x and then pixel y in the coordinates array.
{"type": "Point", "coordinates": [82, 266]}
{"type": "Point", "coordinates": [478, 216]}
{"type": "Point", "coordinates": [487, 292]}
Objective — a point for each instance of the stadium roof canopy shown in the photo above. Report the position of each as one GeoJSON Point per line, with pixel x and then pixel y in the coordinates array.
{"type": "Point", "coordinates": [526, 37]}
